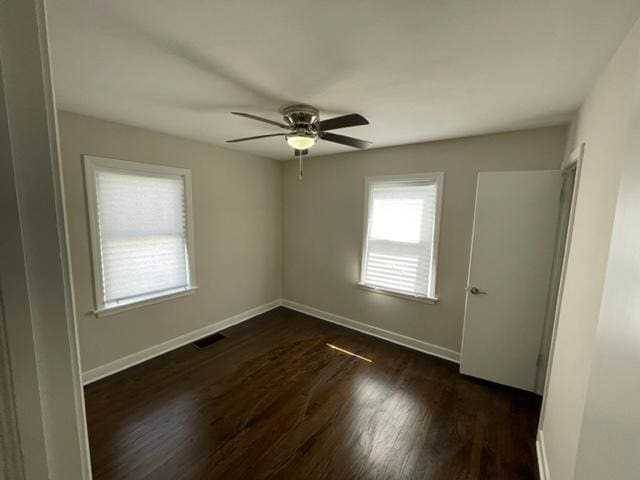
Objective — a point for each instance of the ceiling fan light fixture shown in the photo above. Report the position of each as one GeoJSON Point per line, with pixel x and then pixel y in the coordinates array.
{"type": "Point", "coordinates": [304, 128]}
{"type": "Point", "coordinates": [301, 141]}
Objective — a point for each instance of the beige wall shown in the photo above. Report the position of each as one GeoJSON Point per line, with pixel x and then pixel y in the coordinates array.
{"type": "Point", "coordinates": [610, 430]}
{"type": "Point", "coordinates": [603, 125]}
{"type": "Point", "coordinates": [323, 223]}
{"type": "Point", "coordinates": [237, 205]}
{"type": "Point", "coordinates": [240, 237]}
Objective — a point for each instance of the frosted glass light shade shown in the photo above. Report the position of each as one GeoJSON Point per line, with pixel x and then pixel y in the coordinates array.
{"type": "Point", "coordinates": [301, 142]}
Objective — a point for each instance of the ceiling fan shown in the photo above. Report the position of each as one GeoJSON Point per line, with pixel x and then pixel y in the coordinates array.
{"type": "Point", "coordinates": [305, 128]}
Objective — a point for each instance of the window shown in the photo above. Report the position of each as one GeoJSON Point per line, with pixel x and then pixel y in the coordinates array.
{"type": "Point", "coordinates": [140, 216]}
{"type": "Point", "coordinates": [401, 235]}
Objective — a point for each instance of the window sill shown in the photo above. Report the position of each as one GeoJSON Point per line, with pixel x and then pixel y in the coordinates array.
{"type": "Point", "coordinates": [113, 310]}
{"type": "Point", "coordinates": [407, 296]}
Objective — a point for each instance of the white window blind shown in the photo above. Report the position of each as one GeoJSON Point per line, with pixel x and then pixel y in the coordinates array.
{"type": "Point", "coordinates": [401, 235]}
{"type": "Point", "coordinates": [141, 232]}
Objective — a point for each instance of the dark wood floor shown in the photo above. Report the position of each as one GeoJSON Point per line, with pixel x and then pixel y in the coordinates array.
{"type": "Point", "coordinates": [272, 400]}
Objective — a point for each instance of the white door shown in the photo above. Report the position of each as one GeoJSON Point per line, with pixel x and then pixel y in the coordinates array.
{"type": "Point", "coordinates": [511, 254]}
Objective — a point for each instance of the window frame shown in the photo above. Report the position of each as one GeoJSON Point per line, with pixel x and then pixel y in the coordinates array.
{"type": "Point", "coordinates": [93, 164]}
{"type": "Point", "coordinates": [434, 177]}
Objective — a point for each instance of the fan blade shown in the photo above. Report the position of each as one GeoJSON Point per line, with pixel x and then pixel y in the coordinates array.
{"type": "Point", "coordinates": [265, 120]}
{"type": "Point", "coordinates": [256, 137]}
{"type": "Point", "coordinates": [344, 140]}
{"type": "Point", "coordinates": [351, 120]}
{"type": "Point", "coordinates": [296, 152]}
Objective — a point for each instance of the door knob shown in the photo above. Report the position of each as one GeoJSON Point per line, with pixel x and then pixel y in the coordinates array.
{"type": "Point", "coordinates": [476, 291]}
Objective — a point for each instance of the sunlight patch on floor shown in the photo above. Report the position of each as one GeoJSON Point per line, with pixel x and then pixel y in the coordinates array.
{"type": "Point", "coordinates": [349, 353]}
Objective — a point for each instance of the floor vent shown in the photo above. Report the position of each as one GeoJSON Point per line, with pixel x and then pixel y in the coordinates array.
{"type": "Point", "coordinates": [209, 340]}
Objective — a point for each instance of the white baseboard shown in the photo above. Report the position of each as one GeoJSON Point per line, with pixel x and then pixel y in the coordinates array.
{"type": "Point", "coordinates": [409, 342]}
{"type": "Point", "coordinates": [543, 465]}
{"type": "Point", "coordinates": [148, 353]}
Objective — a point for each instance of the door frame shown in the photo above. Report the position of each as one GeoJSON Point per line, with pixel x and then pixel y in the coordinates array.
{"type": "Point", "coordinates": [38, 311]}
{"type": "Point", "coordinates": [11, 459]}
{"type": "Point", "coordinates": [575, 158]}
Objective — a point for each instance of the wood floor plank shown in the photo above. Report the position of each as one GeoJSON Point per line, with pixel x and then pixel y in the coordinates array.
{"type": "Point", "coordinates": [273, 401]}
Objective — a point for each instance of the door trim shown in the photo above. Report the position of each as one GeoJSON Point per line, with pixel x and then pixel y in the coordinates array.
{"type": "Point", "coordinates": [576, 157]}
{"type": "Point", "coordinates": [10, 451]}
{"type": "Point", "coordinates": [38, 310]}
{"type": "Point", "coordinates": [541, 453]}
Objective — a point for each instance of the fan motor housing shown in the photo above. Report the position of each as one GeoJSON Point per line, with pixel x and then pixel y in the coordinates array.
{"type": "Point", "coordinates": [301, 115]}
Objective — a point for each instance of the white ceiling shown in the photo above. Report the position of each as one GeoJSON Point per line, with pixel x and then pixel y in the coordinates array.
{"type": "Point", "coordinates": [419, 70]}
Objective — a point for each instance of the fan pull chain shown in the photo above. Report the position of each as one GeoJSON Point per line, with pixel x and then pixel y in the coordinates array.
{"type": "Point", "coordinates": [300, 173]}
